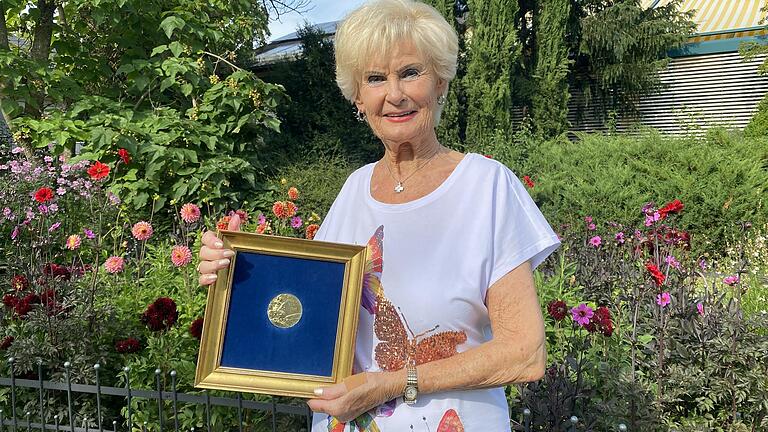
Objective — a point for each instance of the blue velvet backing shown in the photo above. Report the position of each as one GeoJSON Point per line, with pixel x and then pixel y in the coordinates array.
{"type": "Point", "coordinates": [251, 341]}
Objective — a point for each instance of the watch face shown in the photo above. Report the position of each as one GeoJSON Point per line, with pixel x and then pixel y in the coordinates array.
{"type": "Point", "coordinates": [410, 393]}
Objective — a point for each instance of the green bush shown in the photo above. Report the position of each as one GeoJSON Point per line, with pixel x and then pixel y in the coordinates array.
{"type": "Point", "coordinates": [758, 126]}
{"type": "Point", "coordinates": [318, 180]}
{"type": "Point", "coordinates": [721, 178]}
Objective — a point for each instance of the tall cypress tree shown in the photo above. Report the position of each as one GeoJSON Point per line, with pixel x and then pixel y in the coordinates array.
{"type": "Point", "coordinates": [550, 102]}
{"type": "Point", "coordinates": [493, 49]}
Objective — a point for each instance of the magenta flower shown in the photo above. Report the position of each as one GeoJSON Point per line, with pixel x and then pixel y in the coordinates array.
{"type": "Point", "coordinates": [262, 219]}
{"type": "Point", "coordinates": [296, 222]}
{"type": "Point", "coordinates": [620, 237]}
{"type": "Point", "coordinates": [700, 308]}
{"type": "Point", "coordinates": [54, 227]}
{"type": "Point", "coordinates": [591, 227]}
{"type": "Point", "coordinates": [731, 280]}
{"type": "Point", "coordinates": [663, 299]}
{"type": "Point", "coordinates": [89, 234]}
{"type": "Point", "coordinates": [582, 314]}
{"type": "Point", "coordinates": [675, 264]}
{"type": "Point", "coordinates": [595, 241]}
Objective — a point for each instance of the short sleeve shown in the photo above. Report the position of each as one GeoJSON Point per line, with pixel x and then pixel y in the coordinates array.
{"type": "Point", "coordinates": [520, 231]}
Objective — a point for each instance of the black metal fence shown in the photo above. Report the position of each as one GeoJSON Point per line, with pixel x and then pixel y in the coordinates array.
{"type": "Point", "coordinates": [12, 420]}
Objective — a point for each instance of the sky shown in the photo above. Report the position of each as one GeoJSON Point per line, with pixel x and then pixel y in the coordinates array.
{"type": "Point", "coordinates": [321, 11]}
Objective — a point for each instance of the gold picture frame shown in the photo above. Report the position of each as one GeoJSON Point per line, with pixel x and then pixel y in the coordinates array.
{"type": "Point", "coordinates": [274, 311]}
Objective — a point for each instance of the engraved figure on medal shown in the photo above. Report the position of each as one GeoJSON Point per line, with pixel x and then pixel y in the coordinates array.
{"type": "Point", "coordinates": [284, 311]}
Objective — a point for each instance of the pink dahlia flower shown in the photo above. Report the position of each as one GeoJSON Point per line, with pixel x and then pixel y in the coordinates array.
{"type": "Point", "coordinates": [114, 264]}
{"type": "Point", "coordinates": [73, 242]}
{"type": "Point", "coordinates": [142, 230]}
{"type": "Point", "coordinates": [190, 213]}
{"type": "Point", "coordinates": [181, 256]}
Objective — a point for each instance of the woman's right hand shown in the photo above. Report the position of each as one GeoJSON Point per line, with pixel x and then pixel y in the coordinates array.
{"type": "Point", "coordinates": [213, 256]}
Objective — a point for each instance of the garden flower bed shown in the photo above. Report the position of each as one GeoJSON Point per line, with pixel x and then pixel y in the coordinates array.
{"type": "Point", "coordinates": [640, 330]}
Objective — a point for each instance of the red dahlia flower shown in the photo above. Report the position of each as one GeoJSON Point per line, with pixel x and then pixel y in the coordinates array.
{"type": "Point", "coordinates": [127, 346]}
{"type": "Point", "coordinates": [6, 342]}
{"type": "Point", "coordinates": [98, 171]}
{"type": "Point", "coordinates": [160, 315]}
{"type": "Point", "coordinates": [672, 207]}
{"type": "Point", "coordinates": [196, 329]}
{"type": "Point", "coordinates": [19, 283]}
{"type": "Point", "coordinates": [124, 155]}
{"type": "Point", "coordinates": [44, 194]}
{"type": "Point", "coordinates": [557, 309]}
{"type": "Point", "coordinates": [528, 181]}
{"type": "Point", "coordinates": [657, 275]}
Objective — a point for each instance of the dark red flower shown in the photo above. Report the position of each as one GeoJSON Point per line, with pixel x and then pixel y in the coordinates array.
{"type": "Point", "coordinates": [6, 342]}
{"type": "Point", "coordinates": [672, 207]}
{"type": "Point", "coordinates": [243, 215]}
{"type": "Point", "coordinates": [657, 275]}
{"type": "Point", "coordinates": [601, 322]}
{"type": "Point", "coordinates": [10, 300]}
{"type": "Point", "coordinates": [24, 305]}
{"type": "Point", "coordinates": [127, 346]}
{"type": "Point", "coordinates": [55, 270]}
{"type": "Point", "coordinates": [124, 155]}
{"type": "Point", "coordinates": [528, 181]}
{"type": "Point", "coordinates": [19, 283]}
{"type": "Point", "coordinates": [557, 309]}
{"type": "Point", "coordinates": [98, 171]}
{"type": "Point", "coordinates": [196, 329]}
{"type": "Point", "coordinates": [160, 315]}
{"type": "Point", "coordinates": [44, 194]}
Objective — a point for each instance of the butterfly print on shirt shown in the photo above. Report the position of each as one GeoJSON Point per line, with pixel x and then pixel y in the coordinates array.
{"type": "Point", "coordinates": [396, 349]}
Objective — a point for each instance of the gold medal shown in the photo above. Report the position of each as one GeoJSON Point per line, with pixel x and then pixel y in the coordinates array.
{"type": "Point", "coordinates": [284, 310]}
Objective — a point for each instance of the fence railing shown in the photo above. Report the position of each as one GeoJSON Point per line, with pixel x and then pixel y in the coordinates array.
{"type": "Point", "coordinates": [11, 420]}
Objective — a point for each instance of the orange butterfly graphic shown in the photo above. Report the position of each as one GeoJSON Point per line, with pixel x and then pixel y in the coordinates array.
{"type": "Point", "coordinates": [396, 349]}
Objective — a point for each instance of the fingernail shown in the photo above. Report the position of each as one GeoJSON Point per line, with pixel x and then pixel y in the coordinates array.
{"type": "Point", "coordinates": [318, 392]}
{"type": "Point", "coordinates": [229, 253]}
{"type": "Point", "coordinates": [224, 262]}
{"type": "Point", "coordinates": [218, 244]}
{"type": "Point", "coordinates": [212, 277]}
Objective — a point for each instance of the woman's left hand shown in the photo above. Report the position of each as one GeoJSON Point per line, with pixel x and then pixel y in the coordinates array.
{"type": "Point", "coordinates": [356, 395]}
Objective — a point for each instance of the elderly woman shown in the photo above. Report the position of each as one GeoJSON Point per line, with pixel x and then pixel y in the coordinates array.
{"type": "Point", "coordinates": [450, 312]}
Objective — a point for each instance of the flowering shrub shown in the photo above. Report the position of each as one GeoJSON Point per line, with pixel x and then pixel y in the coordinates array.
{"type": "Point", "coordinates": [642, 332]}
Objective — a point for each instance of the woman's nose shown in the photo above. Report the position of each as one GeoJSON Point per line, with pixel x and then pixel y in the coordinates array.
{"type": "Point", "coordinates": [395, 93]}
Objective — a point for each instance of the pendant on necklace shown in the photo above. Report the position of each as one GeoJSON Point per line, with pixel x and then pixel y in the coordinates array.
{"type": "Point", "coordinates": [399, 187]}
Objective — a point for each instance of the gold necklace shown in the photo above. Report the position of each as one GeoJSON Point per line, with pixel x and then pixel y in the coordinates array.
{"type": "Point", "coordinates": [399, 186]}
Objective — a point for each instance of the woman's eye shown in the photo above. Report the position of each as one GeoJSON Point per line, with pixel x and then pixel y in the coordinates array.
{"type": "Point", "coordinates": [410, 73]}
{"type": "Point", "coordinates": [375, 79]}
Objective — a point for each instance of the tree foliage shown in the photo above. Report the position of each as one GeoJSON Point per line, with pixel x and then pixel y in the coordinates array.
{"type": "Point", "coordinates": [621, 47]}
{"type": "Point", "coordinates": [318, 120]}
{"type": "Point", "coordinates": [492, 50]}
{"type": "Point", "coordinates": [550, 102]}
{"type": "Point", "coordinates": [159, 78]}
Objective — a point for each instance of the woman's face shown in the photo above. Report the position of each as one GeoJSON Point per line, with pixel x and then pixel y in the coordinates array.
{"type": "Point", "coordinates": [399, 96]}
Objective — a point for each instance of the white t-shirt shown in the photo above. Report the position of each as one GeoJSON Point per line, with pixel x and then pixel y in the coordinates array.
{"type": "Point", "coordinates": [437, 256]}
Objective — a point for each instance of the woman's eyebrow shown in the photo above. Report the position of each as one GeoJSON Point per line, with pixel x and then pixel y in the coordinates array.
{"type": "Point", "coordinates": [418, 66]}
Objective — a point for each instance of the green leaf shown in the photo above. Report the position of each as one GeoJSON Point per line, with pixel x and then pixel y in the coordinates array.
{"type": "Point", "coordinates": [170, 24]}
{"type": "Point", "coordinates": [167, 82]}
{"type": "Point", "coordinates": [176, 48]}
{"type": "Point", "coordinates": [159, 50]}
{"type": "Point", "coordinates": [186, 89]}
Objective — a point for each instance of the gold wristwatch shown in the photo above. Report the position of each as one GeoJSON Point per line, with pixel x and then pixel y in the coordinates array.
{"type": "Point", "coordinates": [411, 390]}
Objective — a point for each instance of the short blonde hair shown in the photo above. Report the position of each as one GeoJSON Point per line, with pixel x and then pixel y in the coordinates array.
{"type": "Point", "coordinates": [374, 29]}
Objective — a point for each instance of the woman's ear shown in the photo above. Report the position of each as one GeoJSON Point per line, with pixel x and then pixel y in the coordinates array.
{"type": "Point", "coordinates": [360, 106]}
